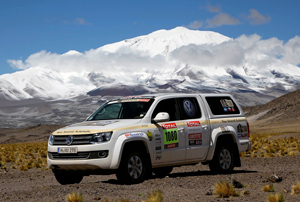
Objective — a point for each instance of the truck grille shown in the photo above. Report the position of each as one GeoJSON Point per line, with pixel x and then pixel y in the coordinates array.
{"type": "Point", "coordinates": [77, 139]}
{"type": "Point", "coordinates": [79, 155]}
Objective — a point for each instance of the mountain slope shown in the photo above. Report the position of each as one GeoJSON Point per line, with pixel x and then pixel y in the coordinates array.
{"type": "Point", "coordinates": [286, 108]}
{"type": "Point", "coordinates": [176, 60]}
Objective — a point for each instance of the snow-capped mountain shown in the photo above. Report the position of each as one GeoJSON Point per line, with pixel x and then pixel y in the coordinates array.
{"type": "Point", "coordinates": [177, 60]}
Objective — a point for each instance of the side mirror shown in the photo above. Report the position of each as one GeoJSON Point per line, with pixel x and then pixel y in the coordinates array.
{"type": "Point", "coordinates": [161, 117]}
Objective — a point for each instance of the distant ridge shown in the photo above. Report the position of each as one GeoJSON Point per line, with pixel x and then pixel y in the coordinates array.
{"type": "Point", "coordinates": [282, 109]}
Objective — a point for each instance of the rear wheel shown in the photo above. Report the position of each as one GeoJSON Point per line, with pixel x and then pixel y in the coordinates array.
{"type": "Point", "coordinates": [68, 178]}
{"type": "Point", "coordinates": [163, 171]}
{"type": "Point", "coordinates": [223, 160]}
{"type": "Point", "coordinates": [133, 168]}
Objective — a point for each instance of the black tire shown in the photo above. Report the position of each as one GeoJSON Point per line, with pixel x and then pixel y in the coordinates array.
{"type": "Point", "coordinates": [134, 168]}
{"type": "Point", "coordinates": [68, 178]}
{"type": "Point", "coordinates": [162, 172]}
{"type": "Point", "coordinates": [223, 160]}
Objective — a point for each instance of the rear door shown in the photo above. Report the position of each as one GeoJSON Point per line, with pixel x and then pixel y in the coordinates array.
{"type": "Point", "coordinates": [196, 127]}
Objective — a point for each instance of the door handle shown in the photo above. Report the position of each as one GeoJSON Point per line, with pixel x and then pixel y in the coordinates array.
{"type": "Point", "coordinates": [180, 129]}
{"type": "Point", "coordinates": [204, 127]}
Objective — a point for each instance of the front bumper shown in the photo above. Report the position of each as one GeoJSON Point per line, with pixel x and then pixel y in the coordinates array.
{"type": "Point", "coordinates": [88, 157]}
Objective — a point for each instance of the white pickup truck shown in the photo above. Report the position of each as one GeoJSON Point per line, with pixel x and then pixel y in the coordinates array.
{"type": "Point", "coordinates": [135, 136]}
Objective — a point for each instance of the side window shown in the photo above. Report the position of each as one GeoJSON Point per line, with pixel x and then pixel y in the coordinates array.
{"type": "Point", "coordinates": [169, 106]}
{"type": "Point", "coordinates": [222, 105]}
{"type": "Point", "coordinates": [190, 108]}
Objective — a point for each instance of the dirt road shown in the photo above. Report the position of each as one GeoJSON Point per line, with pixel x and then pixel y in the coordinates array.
{"type": "Point", "coordinates": [189, 183]}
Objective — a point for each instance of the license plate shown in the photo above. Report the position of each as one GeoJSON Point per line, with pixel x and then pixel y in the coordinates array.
{"type": "Point", "coordinates": [67, 150]}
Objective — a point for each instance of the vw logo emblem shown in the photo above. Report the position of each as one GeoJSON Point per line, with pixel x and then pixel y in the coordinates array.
{"type": "Point", "coordinates": [69, 139]}
{"type": "Point", "coordinates": [189, 108]}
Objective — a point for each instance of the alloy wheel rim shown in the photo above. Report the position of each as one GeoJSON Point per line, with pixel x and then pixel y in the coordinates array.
{"type": "Point", "coordinates": [225, 159]}
{"type": "Point", "coordinates": [135, 167]}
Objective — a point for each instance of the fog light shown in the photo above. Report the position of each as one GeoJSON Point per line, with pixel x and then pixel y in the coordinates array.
{"type": "Point", "coordinates": [102, 154]}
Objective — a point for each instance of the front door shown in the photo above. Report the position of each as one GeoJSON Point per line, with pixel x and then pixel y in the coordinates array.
{"type": "Point", "coordinates": [169, 137]}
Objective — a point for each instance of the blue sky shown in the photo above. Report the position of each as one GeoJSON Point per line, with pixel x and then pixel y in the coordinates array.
{"type": "Point", "coordinates": [56, 26]}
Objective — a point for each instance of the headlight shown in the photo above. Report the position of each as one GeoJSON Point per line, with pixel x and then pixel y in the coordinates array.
{"type": "Point", "coordinates": [101, 137]}
{"type": "Point", "coordinates": [51, 139]}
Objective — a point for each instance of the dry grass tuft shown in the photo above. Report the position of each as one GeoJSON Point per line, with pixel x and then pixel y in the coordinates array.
{"type": "Point", "coordinates": [262, 147]}
{"type": "Point", "coordinates": [296, 189]}
{"type": "Point", "coordinates": [225, 190]}
{"type": "Point", "coordinates": [276, 198]}
{"type": "Point", "coordinates": [268, 188]}
{"type": "Point", "coordinates": [155, 196]}
{"type": "Point", "coordinates": [74, 197]}
{"type": "Point", "coordinates": [24, 155]}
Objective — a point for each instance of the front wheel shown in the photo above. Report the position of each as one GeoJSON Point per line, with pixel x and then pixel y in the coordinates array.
{"type": "Point", "coordinates": [68, 178]}
{"type": "Point", "coordinates": [223, 160]}
{"type": "Point", "coordinates": [133, 168]}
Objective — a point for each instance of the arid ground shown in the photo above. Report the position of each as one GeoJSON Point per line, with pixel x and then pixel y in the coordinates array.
{"type": "Point", "coordinates": [187, 183]}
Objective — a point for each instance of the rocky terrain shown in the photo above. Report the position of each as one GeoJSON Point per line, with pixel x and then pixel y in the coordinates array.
{"type": "Point", "coordinates": [188, 183]}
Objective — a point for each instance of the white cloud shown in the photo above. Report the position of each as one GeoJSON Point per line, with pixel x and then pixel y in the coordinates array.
{"type": "Point", "coordinates": [78, 21]}
{"type": "Point", "coordinates": [214, 9]}
{"type": "Point", "coordinates": [255, 18]}
{"type": "Point", "coordinates": [195, 25]}
{"type": "Point", "coordinates": [245, 50]}
{"type": "Point", "coordinates": [222, 19]}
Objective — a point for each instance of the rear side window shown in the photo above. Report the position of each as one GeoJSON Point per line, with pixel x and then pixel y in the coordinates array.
{"type": "Point", "coordinates": [222, 105]}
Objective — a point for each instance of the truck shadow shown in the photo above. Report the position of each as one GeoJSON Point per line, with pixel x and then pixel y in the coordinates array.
{"type": "Point", "coordinates": [184, 174]}
{"type": "Point", "coordinates": [203, 173]}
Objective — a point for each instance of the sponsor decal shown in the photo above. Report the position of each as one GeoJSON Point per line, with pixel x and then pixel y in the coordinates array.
{"type": "Point", "coordinates": [158, 143]}
{"type": "Point", "coordinates": [224, 129]}
{"type": "Point", "coordinates": [239, 135]}
{"type": "Point", "coordinates": [225, 109]}
{"type": "Point", "coordinates": [170, 135]}
{"type": "Point", "coordinates": [150, 135]}
{"type": "Point", "coordinates": [73, 131]}
{"type": "Point", "coordinates": [226, 103]}
{"type": "Point", "coordinates": [171, 146]}
{"type": "Point", "coordinates": [229, 109]}
{"type": "Point", "coordinates": [195, 142]}
{"type": "Point", "coordinates": [232, 108]}
{"type": "Point", "coordinates": [158, 148]}
{"type": "Point", "coordinates": [193, 123]}
{"type": "Point", "coordinates": [244, 134]}
{"type": "Point", "coordinates": [135, 100]}
{"type": "Point", "coordinates": [168, 126]}
{"type": "Point", "coordinates": [143, 100]}
{"type": "Point", "coordinates": [158, 157]}
{"type": "Point", "coordinates": [189, 108]}
{"type": "Point", "coordinates": [195, 136]}
{"type": "Point", "coordinates": [157, 139]}
{"type": "Point", "coordinates": [241, 128]}
{"type": "Point", "coordinates": [130, 135]}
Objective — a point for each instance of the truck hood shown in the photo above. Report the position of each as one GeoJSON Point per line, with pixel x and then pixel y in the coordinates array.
{"type": "Point", "coordinates": [88, 127]}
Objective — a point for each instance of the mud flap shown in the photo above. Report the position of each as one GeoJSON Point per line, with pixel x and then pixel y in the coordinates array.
{"type": "Point", "coordinates": [237, 159]}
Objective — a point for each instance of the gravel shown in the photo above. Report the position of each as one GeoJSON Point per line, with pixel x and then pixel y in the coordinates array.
{"type": "Point", "coordinates": [187, 183]}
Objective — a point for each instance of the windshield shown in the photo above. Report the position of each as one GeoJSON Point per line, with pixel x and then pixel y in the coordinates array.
{"type": "Point", "coordinates": [122, 109]}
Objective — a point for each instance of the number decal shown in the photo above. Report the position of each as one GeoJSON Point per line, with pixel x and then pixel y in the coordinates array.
{"type": "Point", "coordinates": [170, 133]}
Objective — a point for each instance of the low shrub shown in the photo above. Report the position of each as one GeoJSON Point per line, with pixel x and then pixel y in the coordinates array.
{"type": "Point", "coordinates": [225, 190]}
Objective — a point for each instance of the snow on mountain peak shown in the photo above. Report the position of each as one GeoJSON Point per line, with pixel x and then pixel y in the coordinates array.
{"type": "Point", "coordinates": [163, 41]}
{"type": "Point", "coordinates": [176, 60]}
